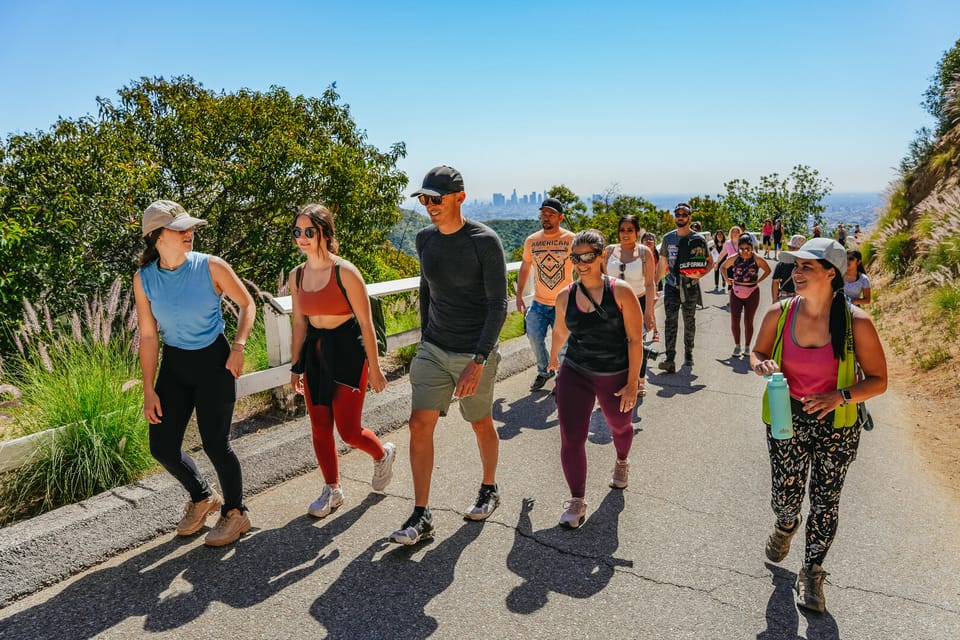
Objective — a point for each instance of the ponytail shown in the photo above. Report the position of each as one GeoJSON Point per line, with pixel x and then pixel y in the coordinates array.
{"type": "Point", "coordinates": [838, 313]}
{"type": "Point", "coordinates": [150, 252]}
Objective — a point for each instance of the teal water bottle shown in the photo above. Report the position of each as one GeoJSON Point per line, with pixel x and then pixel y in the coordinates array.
{"type": "Point", "coordinates": [781, 416]}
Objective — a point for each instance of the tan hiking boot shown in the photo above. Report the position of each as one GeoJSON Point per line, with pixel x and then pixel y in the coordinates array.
{"type": "Point", "coordinates": [575, 512]}
{"type": "Point", "coordinates": [195, 514]}
{"type": "Point", "coordinates": [778, 544]}
{"type": "Point", "coordinates": [810, 588]}
{"type": "Point", "coordinates": [621, 469]}
{"type": "Point", "coordinates": [229, 528]}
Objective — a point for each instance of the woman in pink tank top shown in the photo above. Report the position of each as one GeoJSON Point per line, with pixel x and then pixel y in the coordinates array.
{"type": "Point", "coordinates": [812, 357]}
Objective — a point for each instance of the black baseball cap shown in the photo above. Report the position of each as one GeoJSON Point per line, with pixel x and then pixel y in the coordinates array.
{"type": "Point", "coordinates": [440, 181]}
{"type": "Point", "coordinates": [552, 203]}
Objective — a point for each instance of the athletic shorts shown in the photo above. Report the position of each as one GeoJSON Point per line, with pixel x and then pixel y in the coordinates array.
{"type": "Point", "coordinates": [433, 378]}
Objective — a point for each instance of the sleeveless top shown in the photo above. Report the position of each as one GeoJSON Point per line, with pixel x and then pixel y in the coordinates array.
{"type": "Point", "coordinates": [596, 345]}
{"type": "Point", "coordinates": [808, 370]}
{"type": "Point", "coordinates": [854, 290]}
{"type": "Point", "coordinates": [184, 302]}
{"type": "Point", "coordinates": [326, 301]}
{"type": "Point", "coordinates": [629, 272]}
{"type": "Point", "coordinates": [745, 275]}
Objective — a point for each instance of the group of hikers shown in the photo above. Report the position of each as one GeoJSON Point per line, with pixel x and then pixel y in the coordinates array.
{"type": "Point", "coordinates": [596, 298]}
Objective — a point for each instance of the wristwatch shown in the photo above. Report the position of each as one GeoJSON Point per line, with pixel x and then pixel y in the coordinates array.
{"type": "Point", "coordinates": [845, 393]}
{"type": "Point", "coordinates": [480, 359]}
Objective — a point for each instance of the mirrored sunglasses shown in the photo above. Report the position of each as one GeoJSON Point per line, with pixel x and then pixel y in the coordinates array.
{"type": "Point", "coordinates": [587, 257]}
{"type": "Point", "coordinates": [310, 232]}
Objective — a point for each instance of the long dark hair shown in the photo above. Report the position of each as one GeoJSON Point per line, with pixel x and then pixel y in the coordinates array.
{"type": "Point", "coordinates": [838, 312]}
{"type": "Point", "coordinates": [632, 219]}
{"type": "Point", "coordinates": [322, 218]}
{"type": "Point", "coordinates": [150, 252]}
{"type": "Point", "coordinates": [591, 237]}
{"type": "Point", "coordinates": [853, 253]}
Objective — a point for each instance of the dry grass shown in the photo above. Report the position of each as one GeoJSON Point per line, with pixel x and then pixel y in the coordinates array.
{"type": "Point", "coordinates": [923, 359]}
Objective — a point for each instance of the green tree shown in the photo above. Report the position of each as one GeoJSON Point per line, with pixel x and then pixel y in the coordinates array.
{"type": "Point", "coordinates": [710, 214]}
{"type": "Point", "coordinates": [575, 215]}
{"type": "Point", "coordinates": [71, 197]}
{"type": "Point", "coordinates": [614, 205]}
{"type": "Point", "coordinates": [795, 199]}
{"type": "Point", "coordinates": [938, 94]}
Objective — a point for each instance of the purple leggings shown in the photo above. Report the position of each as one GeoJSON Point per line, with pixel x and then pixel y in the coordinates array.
{"type": "Point", "coordinates": [748, 308]}
{"type": "Point", "coordinates": [576, 391]}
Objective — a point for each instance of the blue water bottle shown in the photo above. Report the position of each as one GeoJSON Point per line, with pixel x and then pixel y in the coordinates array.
{"type": "Point", "coordinates": [781, 416]}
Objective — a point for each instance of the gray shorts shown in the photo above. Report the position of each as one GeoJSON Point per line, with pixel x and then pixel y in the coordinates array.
{"type": "Point", "coordinates": [433, 378]}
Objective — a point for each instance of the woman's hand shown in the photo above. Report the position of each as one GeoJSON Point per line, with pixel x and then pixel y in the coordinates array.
{"type": "Point", "coordinates": [151, 407]}
{"type": "Point", "coordinates": [377, 381]}
{"type": "Point", "coordinates": [629, 392]}
{"type": "Point", "coordinates": [296, 382]}
{"type": "Point", "coordinates": [554, 363]}
{"type": "Point", "coordinates": [821, 403]}
{"type": "Point", "coordinates": [235, 363]}
{"type": "Point", "coordinates": [766, 368]}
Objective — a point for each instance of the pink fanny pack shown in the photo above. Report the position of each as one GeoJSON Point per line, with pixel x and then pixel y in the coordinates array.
{"type": "Point", "coordinates": [743, 291]}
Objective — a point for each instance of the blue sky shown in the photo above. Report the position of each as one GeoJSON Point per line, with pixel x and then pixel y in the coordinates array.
{"type": "Point", "coordinates": [671, 98]}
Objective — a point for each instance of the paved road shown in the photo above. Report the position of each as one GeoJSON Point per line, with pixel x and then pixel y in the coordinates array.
{"type": "Point", "coordinates": [679, 554]}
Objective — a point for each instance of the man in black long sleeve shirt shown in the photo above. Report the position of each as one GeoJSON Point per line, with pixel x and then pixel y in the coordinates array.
{"type": "Point", "coordinates": [463, 304]}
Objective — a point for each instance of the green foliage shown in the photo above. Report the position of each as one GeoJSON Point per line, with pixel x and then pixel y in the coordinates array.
{"type": "Point", "coordinates": [897, 252]}
{"type": "Point", "coordinates": [513, 232]}
{"type": "Point", "coordinates": [937, 95]}
{"type": "Point", "coordinates": [575, 215]}
{"type": "Point", "coordinates": [403, 235]}
{"type": "Point", "coordinates": [710, 213]}
{"type": "Point", "coordinates": [932, 359]}
{"type": "Point", "coordinates": [942, 160]}
{"type": "Point", "coordinates": [795, 199]}
{"type": "Point", "coordinates": [946, 300]}
{"type": "Point", "coordinates": [868, 251]}
{"type": "Point", "coordinates": [71, 197]}
{"type": "Point", "coordinates": [608, 211]}
{"type": "Point", "coordinates": [513, 327]}
{"type": "Point", "coordinates": [918, 152]}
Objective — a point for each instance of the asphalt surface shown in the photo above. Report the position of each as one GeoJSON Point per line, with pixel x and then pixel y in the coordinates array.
{"type": "Point", "coordinates": [679, 554]}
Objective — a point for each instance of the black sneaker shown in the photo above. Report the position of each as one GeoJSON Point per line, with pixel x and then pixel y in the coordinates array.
{"type": "Point", "coordinates": [415, 529]}
{"type": "Point", "coordinates": [540, 380]}
{"type": "Point", "coordinates": [487, 501]}
{"type": "Point", "coordinates": [688, 360]}
{"type": "Point", "coordinates": [668, 366]}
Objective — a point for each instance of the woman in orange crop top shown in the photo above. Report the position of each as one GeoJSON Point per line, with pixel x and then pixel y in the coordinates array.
{"type": "Point", "coordinates": [334, 354]}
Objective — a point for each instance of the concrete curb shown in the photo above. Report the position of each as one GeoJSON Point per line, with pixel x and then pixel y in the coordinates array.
{"type": "Point", "coordinates": [51, 547]}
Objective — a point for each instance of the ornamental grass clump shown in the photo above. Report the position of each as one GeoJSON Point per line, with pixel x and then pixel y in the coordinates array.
{"type": "Point", "coordinates": [80, 383]}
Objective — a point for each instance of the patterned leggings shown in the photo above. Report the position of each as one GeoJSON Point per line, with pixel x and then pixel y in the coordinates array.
{"type": "Point", "coordinates": [823, 452]}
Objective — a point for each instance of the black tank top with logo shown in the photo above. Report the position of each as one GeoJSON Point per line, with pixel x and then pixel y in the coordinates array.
{"type": "Point", "coordinates": [596, 344]}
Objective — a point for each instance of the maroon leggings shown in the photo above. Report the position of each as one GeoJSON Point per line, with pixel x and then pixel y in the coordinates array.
{"type": "Point", "coordinates": [576, 391]}
{"type": "Point", "coordinates": [346, 411]}
{"type": "Point", "coordinates": [747, 307]}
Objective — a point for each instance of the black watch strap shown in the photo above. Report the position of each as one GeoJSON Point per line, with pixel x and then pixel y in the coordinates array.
{"type": "Point", "coordinates": [480, 358]}
{"type": "Point", "coordinates": [846, 396]}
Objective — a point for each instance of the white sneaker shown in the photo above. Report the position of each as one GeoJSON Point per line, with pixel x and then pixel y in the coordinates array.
{"type": "Point", "coordinates": [330, 500]}
{"type": "Point", "coordinates": [575, 513]}
{"type": "Point", "coordinates": [736, 351]}
{"type": "Point", "coordinates": [383, 468]}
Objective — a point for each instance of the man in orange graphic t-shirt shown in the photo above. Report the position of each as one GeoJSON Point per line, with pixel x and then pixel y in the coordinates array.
{"type": "Point", "coordinates": [546, 253]}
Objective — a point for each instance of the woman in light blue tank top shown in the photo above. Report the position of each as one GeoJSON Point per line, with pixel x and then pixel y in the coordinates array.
{"type": "Point", "coordinates": [178, 301]}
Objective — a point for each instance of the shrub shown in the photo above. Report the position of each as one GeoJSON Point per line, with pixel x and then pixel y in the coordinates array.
{"type": "Point", "coordinates": [896, 253]}
{"type": "Point", "coordinates": [946, 300]}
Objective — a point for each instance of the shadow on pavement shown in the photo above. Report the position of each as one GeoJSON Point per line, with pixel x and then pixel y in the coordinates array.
{"type": "Point", "coordinates": [530, 412]}
{"type": "Point", "coordinates": [737, 364]}
{"type": "Point", "coordinates": [783, 619]}
{"type": "Point", "coordinates": [173, 591]}
{"type": "Point", "coordinates": [675, 384]}
{"type": "Point", "coordinates": [578, 563]}
{"type": "Point", "coordinates": [387, 597]}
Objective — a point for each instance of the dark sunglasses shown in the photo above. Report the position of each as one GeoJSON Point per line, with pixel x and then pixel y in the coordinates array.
{"type": "Point", "coordinates": [424, 200]}
{"type": "Point", "coordinates": [746, 248]}
{"type": "Point", "coordinates": [587, 257]}
{"type": "Point", "coordinates": [310, 232]}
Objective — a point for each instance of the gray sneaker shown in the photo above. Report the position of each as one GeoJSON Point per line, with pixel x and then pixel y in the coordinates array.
{"type": "Point", "coordinates": [778, 544]}
{"type": "Point", "coordinates": [737, 351]}
{"type": "Point", "coordinates": [810, 588]}
{"type": "Point", "coordinates": [383, 468]}
{"type": "Point", "coordinates": [330, 500]}
{"type": "Point", "coordinates": [486, 503]}
{"type": "Point", "coordinates": [414, 530]}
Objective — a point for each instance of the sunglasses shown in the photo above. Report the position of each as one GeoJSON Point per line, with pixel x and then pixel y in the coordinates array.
{"type": "Point", "coordinates": [310, 232]}
{"type": "Point", "coordinates": [587, 257]}
{"type": "Point", "coordinates": [681, 214]}
{"type": "Point", "coordinates": [425, 200]}
{"type": "Point", "coordinates": [746, 248]}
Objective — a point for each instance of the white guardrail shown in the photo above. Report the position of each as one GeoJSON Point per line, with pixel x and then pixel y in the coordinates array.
{"type": "Point", "coordinates": [276, 320]}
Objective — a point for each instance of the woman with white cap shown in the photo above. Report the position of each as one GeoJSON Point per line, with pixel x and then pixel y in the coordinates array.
{"type": "Point", "coordinates": [178, 295]}
{"type": "Point", "coordinates": [817, 340]}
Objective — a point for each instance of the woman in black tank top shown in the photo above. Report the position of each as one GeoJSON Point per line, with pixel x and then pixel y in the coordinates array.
{"type": "Point", "coordinates": [601, 321]}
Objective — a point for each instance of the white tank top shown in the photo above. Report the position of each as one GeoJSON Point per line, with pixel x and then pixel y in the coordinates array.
{"type": "Point", "coordinates": [631, 272]}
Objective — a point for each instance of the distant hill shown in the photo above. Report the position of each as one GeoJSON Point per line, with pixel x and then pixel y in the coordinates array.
{"type": "Point", "coordinates": [512, 232]}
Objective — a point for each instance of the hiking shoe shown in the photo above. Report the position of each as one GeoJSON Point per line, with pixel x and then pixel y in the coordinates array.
{"type": "Point", "coordinates": [810, 588]}
{"type": "Point", "coordinates": [746, 352]}
{"type": "Point", "coordinates": [668, 366]}
{"type": "Point", "coordinates": [621, 469]}
{"type": "Point", "coordinates": [229, 528]}
{"type": "Point", "coordinates": [330, 500]}
{"type": "Point", "coordinates": [487, 501]}
{"type": "Point", "coordinates": [688, 360]}
{"type": "Point", "coordinates": [195, 514]}
{"type": "Point", "coordinates": [575, 512]}
{"type": "Point", "coordinates": [415, 529]}
{"type": "Point", "coordinates": [540, 380]}
{"type": "Point", "coordinates": [737, 351]}
{"type": "Point", "coordinates": [778, 544]}
{"type": "Point", "coordinates": [383, 468]}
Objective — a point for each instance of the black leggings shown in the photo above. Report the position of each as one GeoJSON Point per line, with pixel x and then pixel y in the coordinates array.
{"type": "Point", "coordinates": [191, 379]}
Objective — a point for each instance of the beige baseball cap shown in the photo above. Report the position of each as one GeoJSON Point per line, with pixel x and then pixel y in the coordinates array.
{"type": "Point", "coordinates": [167, 214]}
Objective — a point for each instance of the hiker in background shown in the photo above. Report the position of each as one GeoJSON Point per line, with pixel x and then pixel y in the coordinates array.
{"type": "Point", "coordinates": [650, 242]}
{"type": "Point", "coordinates": [632, 262]}
{"type": "Point", "coordinates": [766, 233]}
{"type": "Point", "coordinates": [178, 291]}
{"type": "Point", "coordinates": [335, 355]}
{"type": "Point", "coordinates": [817, 340]}
{"type": "Point", "coordinates": [600, 320]}
{"type": "Point", "coordinates": [744, 282]}
{"type": "Point", "coordinates": [782, 283]}
{"type": "Point", "coordinates": [842, 235]}
{"type": "Point", "coordinates": [856, 284]}
{"type": "Point", "coordinates": [718, 251]}
{"type": "Point", "coordinates": [777, 237]}
{"type": "Point", "coordinates": [545, 253]}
